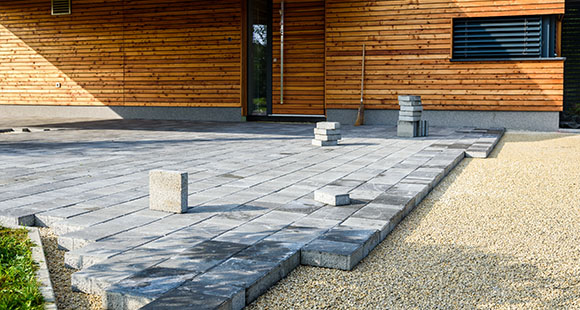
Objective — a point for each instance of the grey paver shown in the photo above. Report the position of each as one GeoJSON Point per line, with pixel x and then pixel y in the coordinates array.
{"type": "Point", "coordinates": [332, 254]}
{"type": "Point", "coordinates": [144, 287]}
{"type": "Point", "coordinates": [252, 216]}
{"type": "Point", "coordinates": [168, 191]}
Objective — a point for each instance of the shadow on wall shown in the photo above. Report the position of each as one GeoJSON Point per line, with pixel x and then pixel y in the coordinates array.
{"type": "Point", "coordinates": [172, 54]}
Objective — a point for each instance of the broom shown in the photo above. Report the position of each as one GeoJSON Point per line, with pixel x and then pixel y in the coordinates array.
{"type": "Point", "coordinates": [360, 117]}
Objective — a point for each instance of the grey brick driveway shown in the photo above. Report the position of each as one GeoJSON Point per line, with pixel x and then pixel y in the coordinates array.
{"type": "Point", "coordinates": [252, 217]}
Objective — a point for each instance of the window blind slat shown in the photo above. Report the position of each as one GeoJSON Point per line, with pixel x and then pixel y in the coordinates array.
{"type": "Point", "coordinates": [500, 37]}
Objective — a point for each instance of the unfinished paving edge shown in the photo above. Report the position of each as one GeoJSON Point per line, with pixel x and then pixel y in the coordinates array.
{"type": "Point", "coordinates": [42, 275]}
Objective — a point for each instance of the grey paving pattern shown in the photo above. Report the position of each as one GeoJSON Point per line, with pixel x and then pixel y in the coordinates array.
{"type": "Point", "coordinates": [252, 216]}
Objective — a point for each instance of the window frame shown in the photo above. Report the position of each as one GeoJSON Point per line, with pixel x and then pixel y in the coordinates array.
{"type": "Point", "coordinates": [556, 41]}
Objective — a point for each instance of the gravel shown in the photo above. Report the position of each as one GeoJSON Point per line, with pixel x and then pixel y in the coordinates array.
{"type": "Point", "coordinates": [66, 299]}
{"type": "Point", "coordinates": [500, 233]}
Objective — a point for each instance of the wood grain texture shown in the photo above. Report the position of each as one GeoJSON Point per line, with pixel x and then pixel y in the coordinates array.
{"type": "Point", "coordinates": [303, 57]}
{"type": "Point", "coordinates": [115, 52]}
{"type": "Point", "coordinates": [408, 52]}
{"type": "Point", "coordinates": [190, 54]}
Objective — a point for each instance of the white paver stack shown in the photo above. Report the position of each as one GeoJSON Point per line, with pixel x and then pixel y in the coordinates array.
{"type": "Point", "coordinates": [326, 134]}
{"type": "Point", "coordinates": [410, 123]}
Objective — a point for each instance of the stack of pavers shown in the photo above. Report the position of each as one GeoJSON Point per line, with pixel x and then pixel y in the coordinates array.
{"type": "Point", "coordinates": [410, 123]}
{"type": "Point", "coordinates": [326, 134]}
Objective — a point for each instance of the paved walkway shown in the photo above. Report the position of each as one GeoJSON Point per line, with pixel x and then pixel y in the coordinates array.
{"type": "Point", "coordinates": [252, 216]}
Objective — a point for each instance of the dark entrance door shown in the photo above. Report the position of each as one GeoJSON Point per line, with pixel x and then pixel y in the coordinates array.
{"type": "Point", "coordinates": [259, 57]}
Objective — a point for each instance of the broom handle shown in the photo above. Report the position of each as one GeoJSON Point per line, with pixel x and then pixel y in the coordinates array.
{"type": "Point", "coordinates": [362, 80]}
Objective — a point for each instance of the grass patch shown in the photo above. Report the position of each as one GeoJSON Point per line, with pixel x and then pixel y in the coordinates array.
{"type": "Point", "coordinates": [18, 284]}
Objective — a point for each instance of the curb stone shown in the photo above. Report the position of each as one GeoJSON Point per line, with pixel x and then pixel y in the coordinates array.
{"type": "Point", "coordinates": [42, 274]}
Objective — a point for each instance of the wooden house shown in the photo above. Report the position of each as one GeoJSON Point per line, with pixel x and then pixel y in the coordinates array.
{"type": "Point", "coordinates": [478, 63]}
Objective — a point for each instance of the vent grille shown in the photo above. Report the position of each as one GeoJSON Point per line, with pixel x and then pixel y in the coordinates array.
{"type": "Point", "coordinates": [61, 7]}
{"type": "Point", "coordinates": [504, 37]}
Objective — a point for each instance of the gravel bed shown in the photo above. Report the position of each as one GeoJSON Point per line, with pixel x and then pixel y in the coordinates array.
{"type": "Point", "coordinates": [497, 233]}
{"type": "Point", "coordinates": [66, 299]}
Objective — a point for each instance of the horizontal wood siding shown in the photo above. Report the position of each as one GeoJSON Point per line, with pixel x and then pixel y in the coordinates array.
{"type": "Point", "coordinates": [114, 52]}
{"type": "Point", "coordinates": [303, 57]}
{"type": "Point", "coordinates": [408, 51]}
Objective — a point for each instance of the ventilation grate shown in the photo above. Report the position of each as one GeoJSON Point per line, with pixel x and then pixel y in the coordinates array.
{"type": "Point", "coordinates": [61, 7]}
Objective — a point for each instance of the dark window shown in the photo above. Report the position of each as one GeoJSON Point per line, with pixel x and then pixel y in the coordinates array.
{"type": "Point", "coordinates": [504, 37]}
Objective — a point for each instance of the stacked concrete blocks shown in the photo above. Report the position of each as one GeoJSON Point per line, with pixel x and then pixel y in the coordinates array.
{"type": "Point", "coordinates": [326, 134]}
{"type": "Point", "coordinates": [168, 191]}
{"type": "Point", "coordinates": [410, 123]}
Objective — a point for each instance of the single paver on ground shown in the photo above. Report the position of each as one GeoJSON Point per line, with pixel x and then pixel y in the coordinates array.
{"type": "Point", "coordinates": [252, 215]}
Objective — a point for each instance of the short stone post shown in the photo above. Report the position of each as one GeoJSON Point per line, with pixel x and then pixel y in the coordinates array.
{"type": "Point", "coordinates": [410, 123]}
{"type": "Point", "coordinates": [168, 191]}
{"type": "Point", "coordinates": [326, 134]}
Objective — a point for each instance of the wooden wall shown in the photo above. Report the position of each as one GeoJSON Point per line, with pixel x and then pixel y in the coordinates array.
{"type": "Point", "coordinates": [408, 50]}
{"type": "Point", "coordinates": [188, 53]}
{"type": "Point", "coordinates": [303, 57]}
{"type": "Point", "coordinates": [114, 52]}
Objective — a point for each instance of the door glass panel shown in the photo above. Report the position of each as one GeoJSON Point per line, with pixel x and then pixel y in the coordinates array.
{"type": "Point", "coordinates": [259, 51]}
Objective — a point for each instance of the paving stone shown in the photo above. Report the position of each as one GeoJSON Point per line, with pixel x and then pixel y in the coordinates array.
{"type": "Point", "coordinates": [333, 195]}
{"type": "Point", "coordinates": [97, 278]}
{"type": "Point", "coordinates": [300, 207]}
{"type": "Point", "coordinates": [332, 254]}
{"type": "Point", "coordinates": [324, 143]}
{"type": "Point", "coordinates": [23, 216]}
{"type": "Point", "coordinates": [235, 295]}
{"type": "Point", "coordinates": [407, 99]}
{"type": "Point", "coordinates": [411, 108]}
{"type": "Point", "coordinates": [247, 234]}
{"type": "Point", "coordinates": [286, 254]}
{"type": "Point", "coordinates": [328, 125]}
{"type": "Point", "coordinates": [297, 234]}
{"type": "Point", "coordinates": [168, 191]}
{"type": "Point", "coordinates": [144, 287]}
{"type": "Point", "coordinates": [407, 128]}
{"type": "Point", "coordinates": [92, 254]}
{"type": "Point", "coordinates": [204, 256]}
{"type": "Point", "coordinates": [412, 114]}
{"type": "Point", "coordinates": [180, 298]}
{"type": "Point", "coordinates": [255, 276]}
{"type": "Point", "coordinates": [377, 211]}
{"type": "Point", "coordinates": [333, 213]}
{"type": "Point", "coordinates": [321, 131]}
{"type": "Point", "coordinates": [327, 137]}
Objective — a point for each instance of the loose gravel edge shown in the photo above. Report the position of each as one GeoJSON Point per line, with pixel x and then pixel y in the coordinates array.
{"type": "Point", "coordinates": [42, 275]}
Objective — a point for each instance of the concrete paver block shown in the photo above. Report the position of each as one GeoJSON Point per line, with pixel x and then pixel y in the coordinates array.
{"type": "Point", "coordinates": [406, 98]}
{"type": "Point", "coordinates": [328, 125]}
{"type": "Point", "coordinates": [327, 137]}
{"type": "Point", "coordinates": [168, 191]}
{"type": "Point", "coordinates": [413, 114]}
{"type": "Point", "coordinates": [411, 108]}
{"type": "Point", "coordinates": [333, 195]}
{"type": "Point", "coordinates": [332, 254]}
{"type": "Point", "coordinates": [409, 118]}
{"type": "Point", "coordinates": [322, 131]}
{"type": "Point", "coordinates": [144, 287]}
{"type": "Point", "coordinates": [407, 129]}
{"type": "Point", "coordinates": [324, 143]}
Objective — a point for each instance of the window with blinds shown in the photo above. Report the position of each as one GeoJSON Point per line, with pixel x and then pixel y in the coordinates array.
{"type": "Point", "coordinates": [504, 37]}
